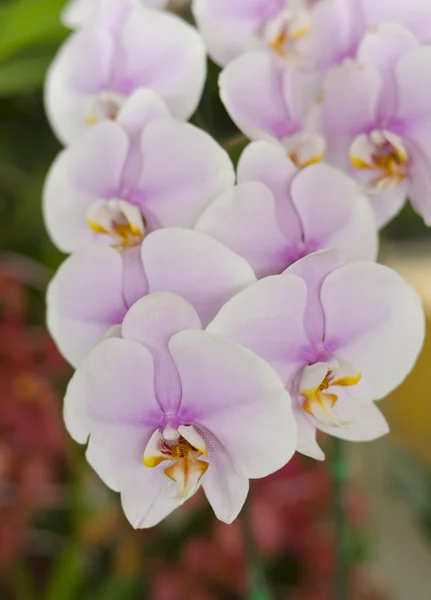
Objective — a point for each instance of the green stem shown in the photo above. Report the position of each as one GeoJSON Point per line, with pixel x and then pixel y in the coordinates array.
{"type": "Point", "coordinates": [341, 542]}
{"type": "Point", "coordinates": [258, 587]}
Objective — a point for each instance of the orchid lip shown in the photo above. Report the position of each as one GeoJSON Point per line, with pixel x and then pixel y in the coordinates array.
{"type": "Point", "coordinates": [315, 386]}
{"type": "Point", "coordinates": [104, 106]}
{"type": "Point", "coordinates": [183, 448]}
{"type": "Point", "coordinates": [118, 221]}
{"type": "Point", "coordinates": [384, 155]}
{"type": "Point", "coordinates": [288, 27]}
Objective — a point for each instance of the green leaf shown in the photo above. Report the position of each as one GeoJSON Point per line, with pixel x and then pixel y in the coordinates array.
{"type": "Point", "coordinates": [68, 574]}
{"type": "Point", "coordinates": [23, 75]}
{"type": "Point", "coordinates": [26, 23]}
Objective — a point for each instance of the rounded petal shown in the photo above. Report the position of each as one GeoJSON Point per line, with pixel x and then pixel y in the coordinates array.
{"type": "Point", "coordinates": [224, 483]}
{"type": "Point", "coordinates": [84, 300]}
{"type": "Point", "coordinates": [198, 268]}
{"type": "Point", "coordinates": [229, 28]}
{"type": "Point", "coordinates": [307, 443]}
{"type": "Point", "coordinates": [89, 170]}
{"type": "Point", "coordinates": [81, 68]}
{"type": "Point", "coordinates": [152, 321]}
{"type": "Point", "coordinates": [251, 90]}
{"type": "Point", "coordinates": [313, 269]}
{"type": "Point", "coordinates": [382, 47]}
{"type": "Point", "coordinates": [268, 318]}
{"type": "Point", "coordinates": [348, 107]}
{"type": "Point", "coordinates": [388, 204]}
{"type": "Point", "coordinates": [269, 164]}
{"type": "Point", "coordinates": [236, 396]}
{"type": "Point", "coordinates": [375, 320]}
{"type": "Point", "coordinates": [134, 282]}
{"type": "Point", "coordinates": [163, 52]}
{"type": "Point", "coordinates": [334, 213]}
{"type": "Point", "coordinates": [414, 14]}
{"type": "Point", "coordinates": [114, 386]}
{"type": "Point", "coordinates": [244, 219]}
{"type": "Point", "coordinates": [142, 107]}
{"type": "Point", "coordinates": [184, 170]}
{"type": "Point", "coordinates": [414, 90]}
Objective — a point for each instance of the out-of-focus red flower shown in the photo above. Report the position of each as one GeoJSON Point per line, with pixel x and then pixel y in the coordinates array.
{"type": "Point", "coordinates": [31, 431]}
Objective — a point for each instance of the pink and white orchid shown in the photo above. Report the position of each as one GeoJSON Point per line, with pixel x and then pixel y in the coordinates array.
{"type": "Point", "coordinates": [375, 115]}
{"type": "Point", "coordinates": [123, 179]}
{"type": "Point", "coordinates": [93, 289]}
{"type": "Point", "coordinates": [78, 13]}
{"type": "Point", "coordinates": [339, 335]}
{"type": "Point", "coordinates": [168, 408]}
{"type": "Point", "coordinates": [124, 50]}
{"type": "Point", "coordinates": [277, 214]}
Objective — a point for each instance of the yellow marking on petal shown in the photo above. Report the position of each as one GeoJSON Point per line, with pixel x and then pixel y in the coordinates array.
{"type": "Point", "coordinates": [359, 163]}
{"type": "Point", "coordinates": [348, 380]}
{"type": "Point", "coordinates": [91, 120]}
{"type": "Point", "coordinates": [154, 461]}
{"type": "Point", "coordinates": [311, 161]}
{"type": "Point", "coordinates": [97, 227]}
{"type": "Point", "coordinates": [182, 471]}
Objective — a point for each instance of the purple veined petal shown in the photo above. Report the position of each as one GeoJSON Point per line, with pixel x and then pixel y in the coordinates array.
{"type": "Point", "coordinates": [84, 300]}
{"type": "Point", "coordinates": [415, 15]}
{"type": "Point", "coordinates": [313, 269]}
{"type": "Point", "coordinates": [307, 443]}
{"type": "Point", "coordinates": [367, 422]}
{"type": "Point", "coordinates": [382, 47]}
{"type": "Point", "coordinates": [91, 169]}
{"type": "Point", "coordinates": [269, 164]}
{"type": "Point", "coordinates": [334, 213]}
{"type": "Point", "coordinates": [251, 88]}
{"type": "Point", "coordinates": [113, 386]}
{"type": "Point", "coordinates": [143, 495]}
{"type": "Point", "coordinates": [196, 267]}
{"type": "Point", "coordinates": [349, 106]}
{"type": "Point", "coordinates": [174, 63]}
{"type": "Point", "coordinates": [224, 483]}
{"type": "Point", "coordinates": [184, 169]}
{"type": "Point", "coordinates": [268, 318]}
{"type": "Point", "coordinates": [244, 219]}
{"type": "Point", "coordinates": [414, 90]}
{"type": "Point", "coordinates": [81, 68]}
{"type": "Point", "coordinates": [238, 397]}
{"type": "Point", "coordinates": [152, 321]}
{"type": "Point", "coordinates": [374, 319]}
{"type": "Point", "coordinates": [230, 28]}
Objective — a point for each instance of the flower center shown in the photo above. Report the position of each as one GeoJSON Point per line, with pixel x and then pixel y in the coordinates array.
{"type": "Point", "coordinates": [384, 155]}
{"type": "Point", "coordinates": [305, 149]}
{"type": "Point", "coordinates": [118, 221]}
{"type": "Point", "coordinates": [183, 448]}
{"type": "Point", "coordinates": [104, 106]}
{"type": "Point", "coordinates": [285, 29]}
{"type": "Point", "coordinates": [316, 379]}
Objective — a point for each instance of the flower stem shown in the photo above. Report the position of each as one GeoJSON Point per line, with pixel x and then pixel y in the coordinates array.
{"type": "Point", "coordinates": [258, 587]}
{"type": "Point", "coordinates": [341, 542]}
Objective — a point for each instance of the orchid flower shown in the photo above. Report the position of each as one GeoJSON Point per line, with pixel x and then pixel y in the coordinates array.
{"type": "Point", "coordinates": [123, 179]}
{"type": "Point", "coordinates": [93, 289]}
{"type": "Point", "coordinates": [375, 114]}
{"type": "Point", "coordinates": [311, 33]}
{"type": "Point", "coordinates": [168, 408]}
{"type": "Point", "coordinates": [277, 214]}
{"type": "Point", "coordinates": [339, 335]}
{"type": "Point", "coordinates": [124, 50]}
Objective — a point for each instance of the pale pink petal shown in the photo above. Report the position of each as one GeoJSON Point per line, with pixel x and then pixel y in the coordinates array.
{"type": "Point", "coordinates": [236, 396]}
{"type": "Point", "coordinates": [184, 169]}
{"type": "Point", "coordinates": [313, 269]}
{"type": "Point", "coordinates": [89, 170]}
{"type": "Point", "coordinates": [152, 321]}
{"type": "Point", "coordinates": [334, 213]}
{"type": "Point", "coordinates": [414, 14]}
{"type": "Point", "coordinates": [195, 266]}
{"type": "Point", "coordinates": [251, 88]}
{"type": "Point", "coordinates": [414, 91]}
{"type": "Point", "coordinates": [374, 319]}
{"type": "Point", "coordinates": [244, 219]}
{"type": "Point", "coordinates": [268, 318]}
{"type": "Point", "coordinates": [84, 300]}
{"type": "Point", "coordinates": [307, 443]}
{"type": "Point", "coordinates": [114, 386]}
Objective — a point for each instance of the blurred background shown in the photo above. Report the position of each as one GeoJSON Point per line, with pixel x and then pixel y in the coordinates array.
{"type": "Point", "coordinates": [62, 533]}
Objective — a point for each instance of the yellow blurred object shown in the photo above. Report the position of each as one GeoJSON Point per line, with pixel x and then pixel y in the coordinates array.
{"type": "Point", "coordinates": [408, 409]}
